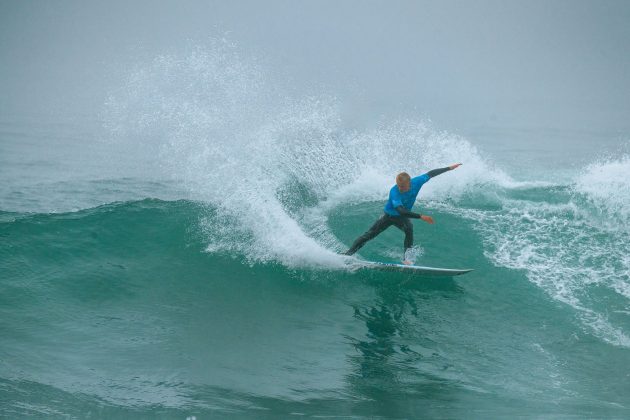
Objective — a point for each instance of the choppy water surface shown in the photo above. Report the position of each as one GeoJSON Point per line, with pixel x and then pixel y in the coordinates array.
{"type": "Point", "coordinates": [183, 262]}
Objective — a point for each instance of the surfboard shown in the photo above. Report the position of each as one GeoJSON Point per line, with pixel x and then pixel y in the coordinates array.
{"type": "Point", "coordinates": [415, 269]}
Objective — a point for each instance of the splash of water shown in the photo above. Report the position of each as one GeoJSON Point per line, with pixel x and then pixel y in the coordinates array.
{"type": "Point", "coordinates": [605, 185]}
{"type": "Point", "coordinates": [264, 160]}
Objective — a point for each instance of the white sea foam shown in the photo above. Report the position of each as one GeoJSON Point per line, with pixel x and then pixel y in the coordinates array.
{"type": "Point", "coordinates": [561, 251]}
{"type": "Point", "coordinates": [606, 186]}
{"type": "Point", "coordinates": [240, 145]}
{"type": "Point", "coordinates": [570, 245]}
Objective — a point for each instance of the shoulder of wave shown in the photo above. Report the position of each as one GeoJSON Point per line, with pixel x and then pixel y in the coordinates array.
{"type": "Point", "coordinates": [145, 203]}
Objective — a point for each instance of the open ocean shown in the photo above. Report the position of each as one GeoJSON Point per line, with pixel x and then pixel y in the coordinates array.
{"type": "Point", "coordinates": [177, 257]}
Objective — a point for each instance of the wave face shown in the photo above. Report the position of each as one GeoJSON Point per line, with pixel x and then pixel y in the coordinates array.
{"type": "Point", "coordinates": [207, 280]}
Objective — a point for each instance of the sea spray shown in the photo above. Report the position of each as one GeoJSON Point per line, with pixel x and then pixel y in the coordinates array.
{"type": "Point", "coordinates": [267, 162]}
{"type": "Point", "coordinates": [605, 185]}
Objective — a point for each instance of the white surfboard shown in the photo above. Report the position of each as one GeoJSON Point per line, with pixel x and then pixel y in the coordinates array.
{"type": "Point", "coordinates": [415, 269]}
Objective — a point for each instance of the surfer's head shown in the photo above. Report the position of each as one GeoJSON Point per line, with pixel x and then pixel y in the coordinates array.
{"type": "Point", "coordinates": [403, 180]}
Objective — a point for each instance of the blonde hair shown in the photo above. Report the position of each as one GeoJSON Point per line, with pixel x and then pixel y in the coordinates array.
{"type": "Point", "coordinates": [402, 178]}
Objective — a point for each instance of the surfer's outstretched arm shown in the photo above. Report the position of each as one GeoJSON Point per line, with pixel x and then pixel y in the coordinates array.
{"type": "Point", "coordinates": [435, 172]}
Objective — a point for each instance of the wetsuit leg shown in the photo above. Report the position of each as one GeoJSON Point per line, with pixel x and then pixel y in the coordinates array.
{"type": "Point", "coordinates": [380, 225]}
{"type": "Point", "coordinates": [404, 224]}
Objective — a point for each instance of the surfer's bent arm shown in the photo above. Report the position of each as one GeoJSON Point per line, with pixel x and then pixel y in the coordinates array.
{"type": "Point", "coordinates": [404, 212]}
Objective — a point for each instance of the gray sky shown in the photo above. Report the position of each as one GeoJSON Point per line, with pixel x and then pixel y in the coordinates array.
{"type": "Point", "coordinates": [528, 64]}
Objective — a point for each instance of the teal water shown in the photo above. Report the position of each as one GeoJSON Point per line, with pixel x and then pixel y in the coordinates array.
{"type": "Point", "coordinates": [119, 311]}
{"type": "Point", "coordinates": [185, 264]}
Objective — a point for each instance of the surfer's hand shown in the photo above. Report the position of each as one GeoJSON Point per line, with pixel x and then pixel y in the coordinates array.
{"type": "Point", "coordinates": [427, 219]}
{"type": "Point", "coordinates": [455, 165]}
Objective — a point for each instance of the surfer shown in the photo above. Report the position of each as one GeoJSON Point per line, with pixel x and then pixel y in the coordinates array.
{"type": "Point", "coordinates": [402, 196]}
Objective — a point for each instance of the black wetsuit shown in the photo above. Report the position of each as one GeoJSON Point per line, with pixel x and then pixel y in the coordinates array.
{"type": "Point", "coordinates": [402, 222]}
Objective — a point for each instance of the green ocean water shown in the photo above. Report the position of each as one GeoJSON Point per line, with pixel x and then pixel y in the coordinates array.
{"type": "Point", "coordinates": [185, 263]}
{"type": "Point", "coordinates": [119, 311]}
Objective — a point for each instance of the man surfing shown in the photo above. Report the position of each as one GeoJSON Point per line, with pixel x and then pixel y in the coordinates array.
{"type": "Point", "coordinates": [402, 197]}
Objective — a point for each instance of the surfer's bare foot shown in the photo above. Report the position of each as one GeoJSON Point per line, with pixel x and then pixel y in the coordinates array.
{"type": "Point", "coordinates": [407, 262]}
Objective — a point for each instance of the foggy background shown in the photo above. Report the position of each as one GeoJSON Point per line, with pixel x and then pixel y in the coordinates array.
{"type": "Point", "coordinates": [469, 66]}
